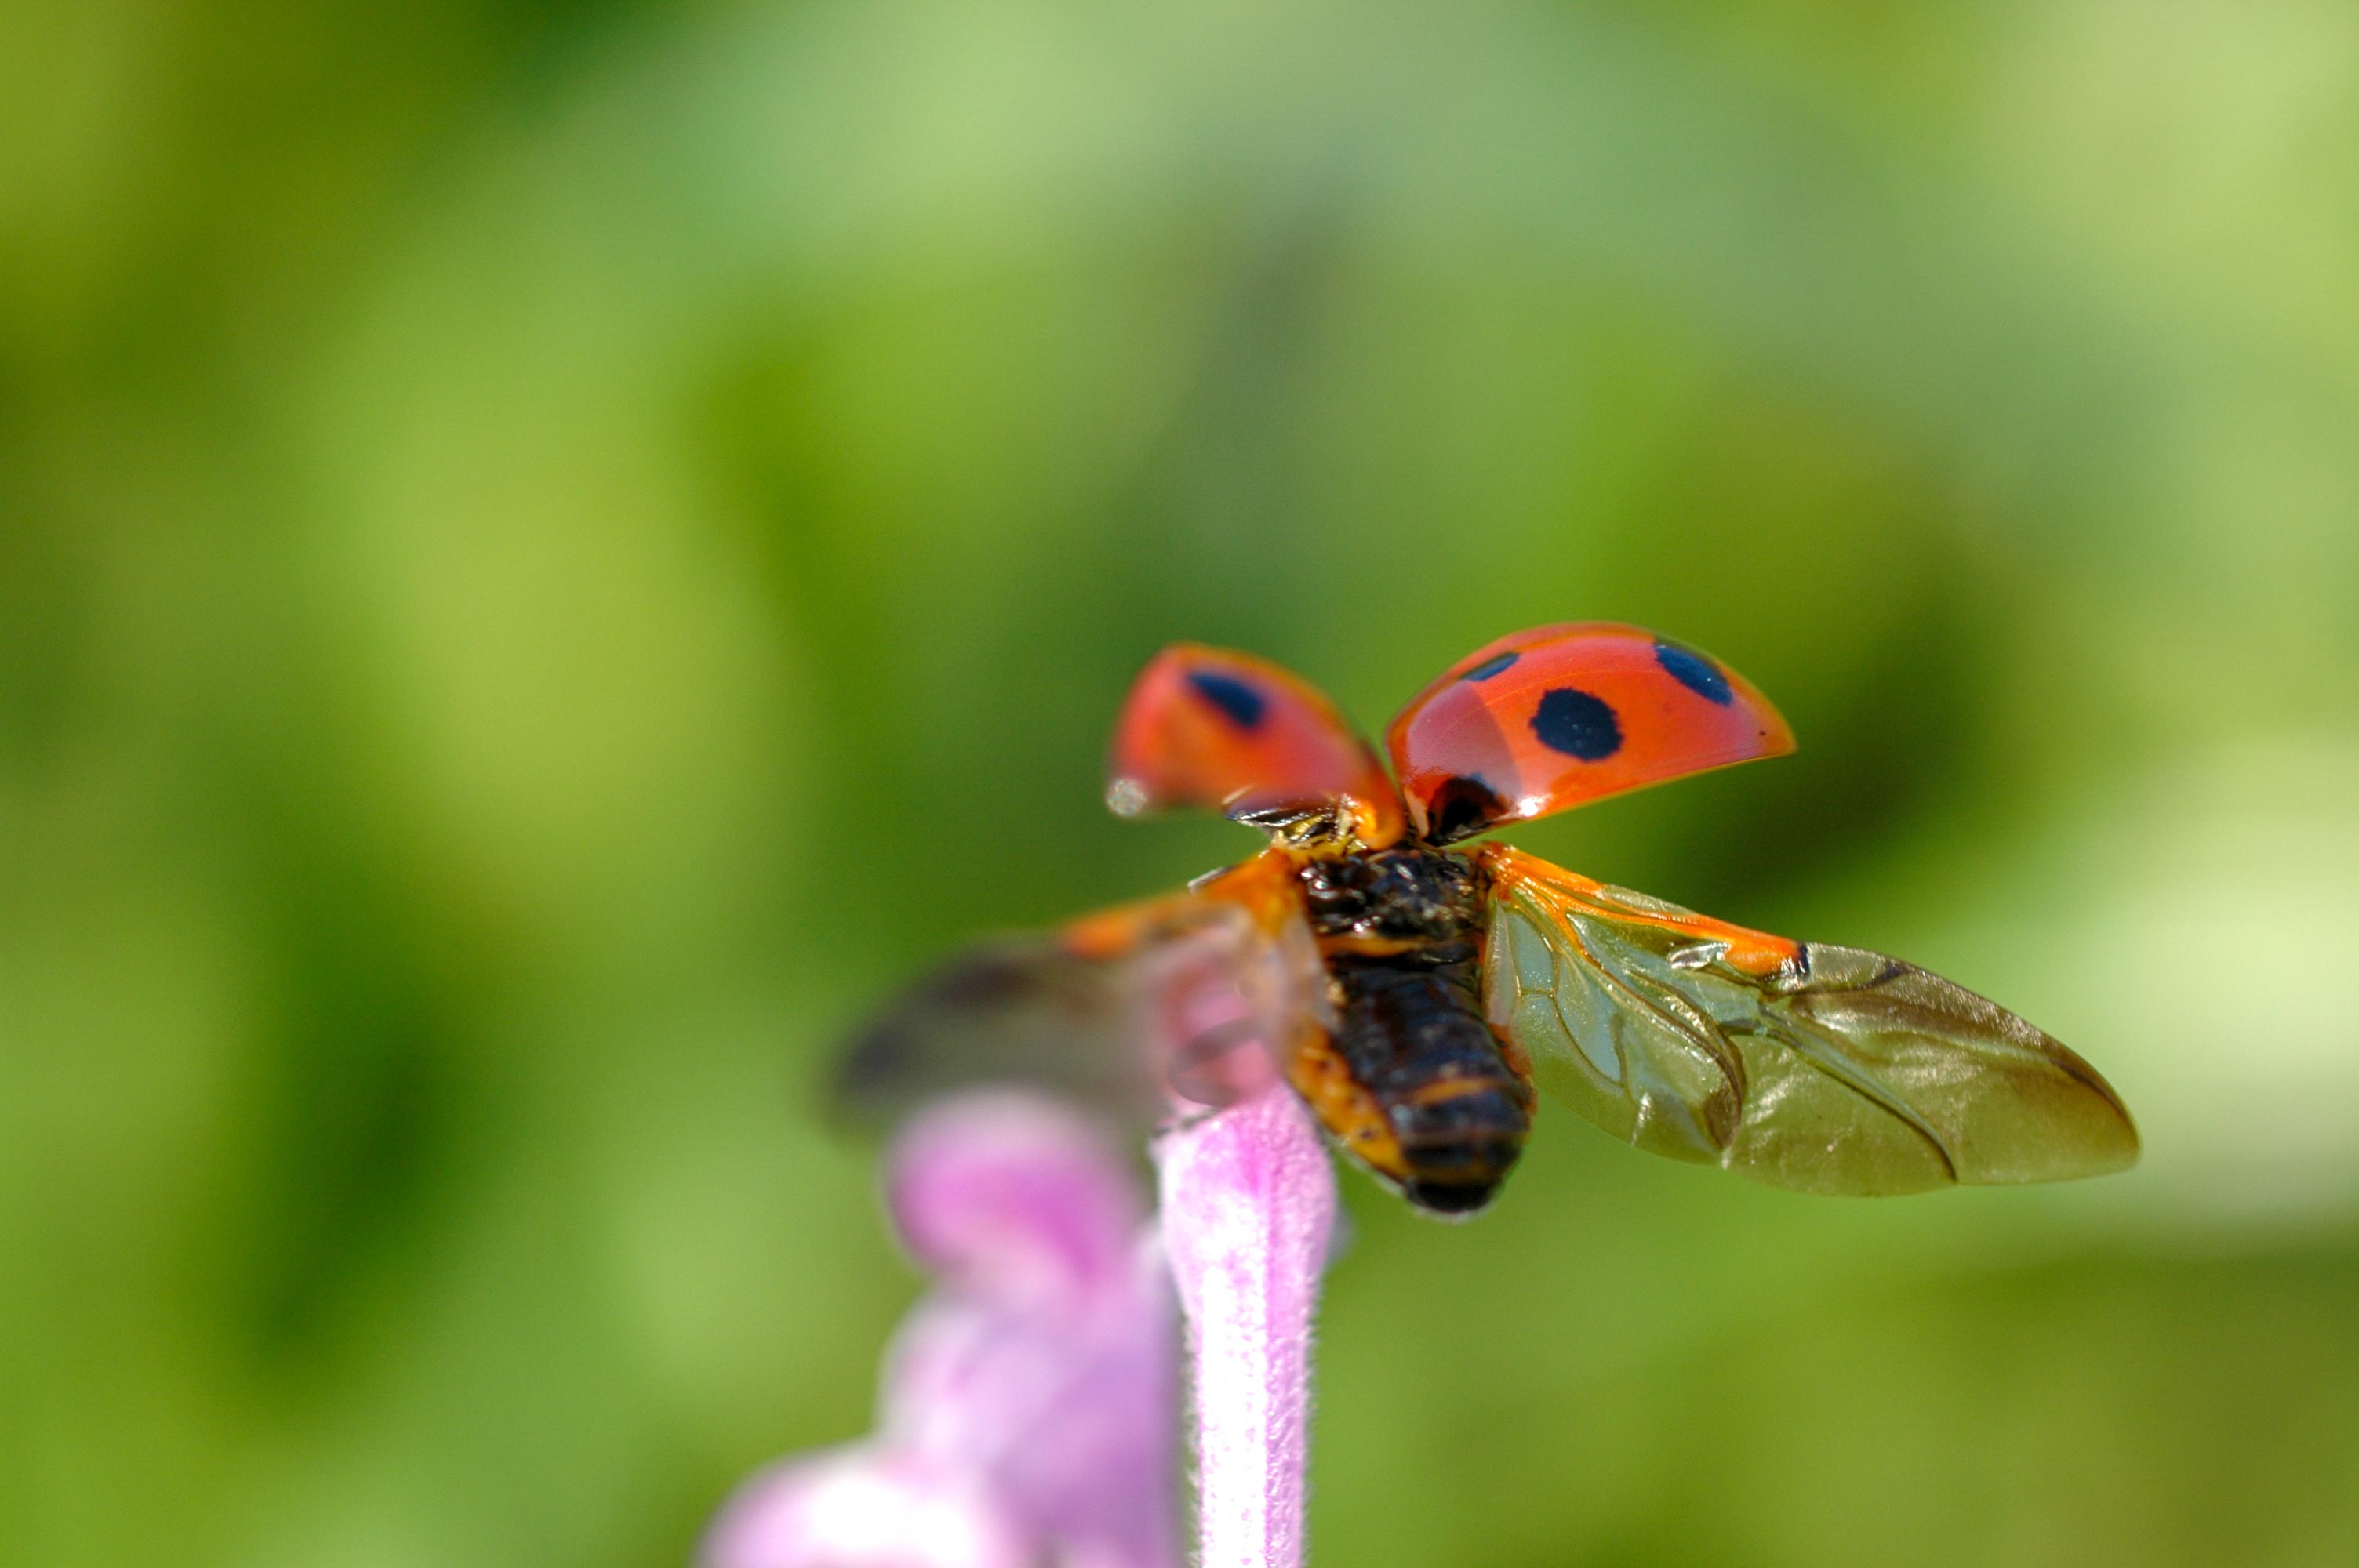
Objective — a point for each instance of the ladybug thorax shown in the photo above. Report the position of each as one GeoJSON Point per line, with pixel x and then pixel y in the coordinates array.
{"type": "Point", "coordinates": [1412, 892]}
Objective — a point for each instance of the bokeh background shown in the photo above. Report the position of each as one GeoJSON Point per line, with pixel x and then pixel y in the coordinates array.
{"type": "Point", "coordinates": [549, 552]}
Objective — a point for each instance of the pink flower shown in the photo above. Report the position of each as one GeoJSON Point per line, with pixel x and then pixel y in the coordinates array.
{"type": "Point", "coordinates": [1029, 1406]}
{"type": "Point", "coordinates": [1030, 1403]}
{"type": "Point", "coordinates": [868, 1505]}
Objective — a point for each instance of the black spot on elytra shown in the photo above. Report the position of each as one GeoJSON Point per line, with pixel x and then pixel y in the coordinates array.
{"type": "Point", "coordinates": [1232, 696]}
{"type": "Point", "coordinates": [1572, 721]}
{"type": "Point", "coordinates": [1462, 806]}
{"type": "Point", "coordinates": [1492, 665]}
{"type": "Point", "coordinates": [1695, 672]}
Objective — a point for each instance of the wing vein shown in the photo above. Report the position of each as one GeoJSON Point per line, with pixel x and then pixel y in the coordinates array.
{"type": "Point", "coordinates": [1823, 1068]}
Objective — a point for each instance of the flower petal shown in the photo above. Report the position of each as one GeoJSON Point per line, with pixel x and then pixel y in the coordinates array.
{"type": "Point", "coordinates": [1030, 1401]}
{"type": "Point", "coordinates": [1012, 1197]}
{"type": "Point", "coordinates": [1078, 1423]}
{"type": "Point", "coordinates": [865, 1507]}
{"type": "Point", "coordinates": [1048, 1362]}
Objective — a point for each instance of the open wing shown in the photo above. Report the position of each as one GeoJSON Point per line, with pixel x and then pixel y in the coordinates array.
{"type": "Point", "coordinates": [1803, 1064]}
{"type": "Point", "coordinates": [1137, 1010]}
{"type": "Point", "coordinates": [1232, 733]}
{"type": "Point", "coordinates": [1556, 716]}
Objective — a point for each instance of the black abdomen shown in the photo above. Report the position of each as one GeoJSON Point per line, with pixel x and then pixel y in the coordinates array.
{"type": "Point", "coordinates": [1401, 933]}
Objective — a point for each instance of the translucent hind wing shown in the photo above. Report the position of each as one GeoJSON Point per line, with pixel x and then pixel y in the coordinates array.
{"type": "Point", "coordinates": [1137, 1011]}
{"type": "Point", "coordinates": [1804, 1065]}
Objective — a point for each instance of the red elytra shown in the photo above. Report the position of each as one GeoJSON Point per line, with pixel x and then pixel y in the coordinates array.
{"type": "Point", "coordinates": [1537, 722]}
{"type": "Point", "coordinates": [1557, 716]}
{"type": "Point", "coordinates": [1214, 728]}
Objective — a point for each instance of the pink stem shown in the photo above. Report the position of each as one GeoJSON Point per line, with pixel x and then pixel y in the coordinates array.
{"type": "Point", "coordinates": [1248, 1202]}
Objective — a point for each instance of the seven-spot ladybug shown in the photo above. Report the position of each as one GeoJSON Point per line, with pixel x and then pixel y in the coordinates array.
{"type": "Point", "coordinates": [1412, 992]}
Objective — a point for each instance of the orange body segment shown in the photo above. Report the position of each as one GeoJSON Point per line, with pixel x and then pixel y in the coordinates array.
{"type": "Point", "coordinates": [1352, 1117]}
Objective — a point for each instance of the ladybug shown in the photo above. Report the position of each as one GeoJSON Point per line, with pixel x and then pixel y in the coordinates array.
{"type": "Point", "coordinates": [1414, 993]}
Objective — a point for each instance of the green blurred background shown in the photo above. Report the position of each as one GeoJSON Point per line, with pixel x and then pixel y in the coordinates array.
{"type": "Point", "coordinates": [549, 552]}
